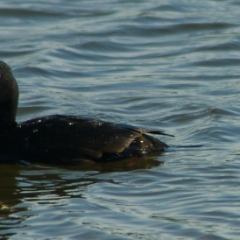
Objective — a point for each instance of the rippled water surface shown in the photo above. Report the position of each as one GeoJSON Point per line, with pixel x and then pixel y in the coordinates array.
{"type": "Point", "coordinates": [168, 65]}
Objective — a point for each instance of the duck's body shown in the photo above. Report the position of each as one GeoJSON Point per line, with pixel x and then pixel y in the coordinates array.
{"type": "Point", "coordinates": [65, 139]}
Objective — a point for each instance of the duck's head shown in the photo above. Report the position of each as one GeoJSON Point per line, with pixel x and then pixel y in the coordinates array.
{"type": "Point", "coordinates": [8, 95]}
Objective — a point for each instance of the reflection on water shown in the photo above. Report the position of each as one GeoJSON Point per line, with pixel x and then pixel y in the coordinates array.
{"type": "Point", "coordinates": [166, 65]}
{"type": "Point", "coordinates": [50, 186]}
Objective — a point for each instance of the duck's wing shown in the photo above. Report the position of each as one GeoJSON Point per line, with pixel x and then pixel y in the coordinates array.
{"type": "Point", "coordinates": [75, 137]}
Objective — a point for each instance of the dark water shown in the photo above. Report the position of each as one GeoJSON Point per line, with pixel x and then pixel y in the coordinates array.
{"type": "Point", "coordinates": [169, 65]}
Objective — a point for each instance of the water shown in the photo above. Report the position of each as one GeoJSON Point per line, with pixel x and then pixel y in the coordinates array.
{"type": "Point", "coordinates": [169, 65]}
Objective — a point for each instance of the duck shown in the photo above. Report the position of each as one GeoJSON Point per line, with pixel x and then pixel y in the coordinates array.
{"type": "Point", "coordinates": [65, 139]}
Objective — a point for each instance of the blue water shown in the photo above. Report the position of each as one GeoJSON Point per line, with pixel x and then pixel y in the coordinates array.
{"type": "Point", "coordinates": [168, 65]}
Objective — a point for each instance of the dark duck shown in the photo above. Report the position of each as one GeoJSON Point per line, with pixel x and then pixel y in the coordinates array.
{"type": "Point", "coordinates": [65, 139]}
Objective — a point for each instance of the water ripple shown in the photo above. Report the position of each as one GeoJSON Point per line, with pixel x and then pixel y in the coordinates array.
{"type": "Point", "coordinates": [167, 65]}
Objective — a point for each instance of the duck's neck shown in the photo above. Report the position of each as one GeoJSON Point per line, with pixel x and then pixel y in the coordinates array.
{"type": "Point", "coordinates": [8, 112]}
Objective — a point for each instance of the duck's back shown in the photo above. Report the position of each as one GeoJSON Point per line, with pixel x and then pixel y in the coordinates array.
{"type": "Point", "coordinates": [68, 139]}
